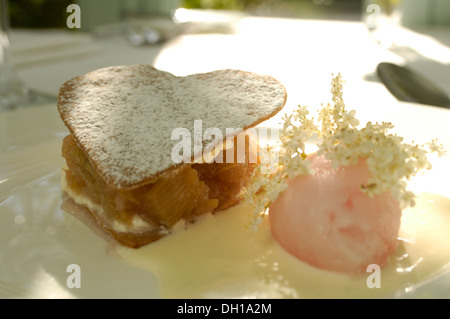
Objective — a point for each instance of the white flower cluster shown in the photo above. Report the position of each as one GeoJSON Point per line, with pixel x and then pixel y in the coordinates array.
{"type": "Point", "coordinates": [391, 162]}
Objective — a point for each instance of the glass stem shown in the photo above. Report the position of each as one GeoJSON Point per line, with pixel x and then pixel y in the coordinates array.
{"type": "Point", "coordinates": [13, 92]}
{"type": "Point", "coordinates": [5, 60]}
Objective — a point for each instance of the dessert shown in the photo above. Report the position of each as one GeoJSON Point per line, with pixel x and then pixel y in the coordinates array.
{"type": "Point", "coordinates": [326, 220]}
{"type": "Point", "coordinates": [119, 154]}
{"type": "Point", "coordinates": [340, 208]}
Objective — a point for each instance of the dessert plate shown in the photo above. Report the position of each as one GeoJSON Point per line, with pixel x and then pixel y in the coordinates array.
{"type": "Point", "coordinates": [47, 253]}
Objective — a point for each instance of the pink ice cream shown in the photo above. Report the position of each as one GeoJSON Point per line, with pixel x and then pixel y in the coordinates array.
{"type": "Point", "coordinates": [327, 221]}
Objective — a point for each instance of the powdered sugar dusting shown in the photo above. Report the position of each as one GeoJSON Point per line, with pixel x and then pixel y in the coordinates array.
{"type": "Point", "coordinates": [123, 116]}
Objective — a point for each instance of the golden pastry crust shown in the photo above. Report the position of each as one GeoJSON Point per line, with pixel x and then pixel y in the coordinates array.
{"type": "Point", "coordinates": [122, 117]}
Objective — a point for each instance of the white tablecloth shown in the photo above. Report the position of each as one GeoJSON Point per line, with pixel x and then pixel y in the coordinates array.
{"type": "Point", "coordinates": [302, 54]}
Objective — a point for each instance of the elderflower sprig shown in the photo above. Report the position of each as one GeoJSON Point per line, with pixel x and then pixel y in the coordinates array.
{"type": "Point", "coordinates": [390, 160]}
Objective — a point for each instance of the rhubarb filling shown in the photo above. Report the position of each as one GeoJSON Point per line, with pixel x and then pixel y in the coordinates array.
{"type": "Point", "coordinates": [138, 216]}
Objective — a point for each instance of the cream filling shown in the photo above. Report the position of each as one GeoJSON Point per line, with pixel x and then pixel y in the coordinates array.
{"type": "Point", "coordinates": [138, 224]}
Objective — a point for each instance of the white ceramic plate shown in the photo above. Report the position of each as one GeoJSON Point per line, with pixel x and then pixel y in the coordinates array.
{"type": "Point", "coordinates": [36, 242]}
{"type": "Point", "coordinates": [39, 242]}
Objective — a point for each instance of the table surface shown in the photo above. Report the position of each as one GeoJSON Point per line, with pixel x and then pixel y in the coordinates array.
{"type": "Point", "coordinates": [302, 54]}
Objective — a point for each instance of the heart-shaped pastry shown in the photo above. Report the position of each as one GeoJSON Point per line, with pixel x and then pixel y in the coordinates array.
{"type": "Point", "coordinates": [123, 117]}
{"type": "Point", "coordinates": [121, 170]}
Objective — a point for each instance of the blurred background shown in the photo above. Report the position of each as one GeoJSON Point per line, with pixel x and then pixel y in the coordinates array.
{"type": "Point", "coordinates": [52, 13]}
{"type": "Point", "coordinates": [283, 38]}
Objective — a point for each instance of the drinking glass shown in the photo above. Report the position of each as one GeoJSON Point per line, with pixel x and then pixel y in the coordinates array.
{"type": "Point", "coordinates": [13, 92]}
{"type": "Point", "coordinates": [382, 18]}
